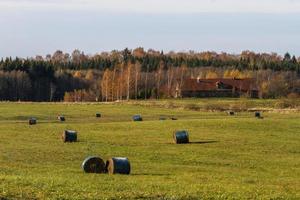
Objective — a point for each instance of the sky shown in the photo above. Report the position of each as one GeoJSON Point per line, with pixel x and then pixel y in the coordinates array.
{"type": "Point", "coordinates": [40, 27]}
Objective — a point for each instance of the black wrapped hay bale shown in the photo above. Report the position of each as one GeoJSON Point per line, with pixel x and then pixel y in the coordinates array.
{"type": "Point", "coordinates": [137, 118]}
{"type": "Point", "coordinates": [32, 121]}
{"type": "Point", "coordinates": [181, 137]}
{"type": "Point", "coordinates": [257, 114]}
{"type": "Point", "coordinates": [98, 115]}
{"type": "Point", "coordinates": [231, 113]}
{"type": "Point", "coordinates": [118, 166]}
{"type": "Point", "coordinates": [93, 164]}
{"type": "Point", "coordinates": [61, 118]}
{"type": "Point", "coordinates": [69, 136]}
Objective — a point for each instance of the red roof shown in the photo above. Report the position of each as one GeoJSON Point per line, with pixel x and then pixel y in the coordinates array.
{"type": "Point", "coordinates": [246, 84]}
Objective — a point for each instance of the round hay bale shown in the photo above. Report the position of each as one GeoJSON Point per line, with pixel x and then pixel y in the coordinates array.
{"type": "Point", "coordinates": [93, 164]}
{"type": "Point", "coordinates": [181, 137]}
{"type": "Point", "coordinates": [162, 118]}
{"type": "Point", "coordinates": [231, 113]}
{"type": "Point", "coordinates": [137, 118]}
{"type": "Point", "coordinates": [61, 118]}
{"type": "Point", "coordinates": [69, 136]}
{"type": "Point", "coordinates": [32, 121]}
{"type": "Point", "coordinates": [118, 165]}
{"type": "Point", "coordinates": [257, 114]}
{"type": "Point", "coordinates": [173, 118]}
{"type": "Point", "coordinates": [98, 115]}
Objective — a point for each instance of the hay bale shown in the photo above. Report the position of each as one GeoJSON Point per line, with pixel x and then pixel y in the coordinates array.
{"type": "Point", "coordinates": [181, 137]}
{"type": "Point", "coordinates": [173, 118]}
{"type": "Point", "coordinates": [257, 114]}
{"type": "Point", "coordinates": [61, 118]}
{"type": "Point", "coordinates": [32, 121]}
{"type": "Point", "coordinates": [162, 118]}
{"type": "Point", "coordinates": [98, 115]}
{"type": "Point", "coordinates": [118, 165]}
{"type": "Point", "coordinates": [231, 113]}
{"type": "Point", "coordinates": [69, 136]}
{"type": "Point", "coordinates": [93, 164]}
{"type": "Point", "coordinates": [137, 118]}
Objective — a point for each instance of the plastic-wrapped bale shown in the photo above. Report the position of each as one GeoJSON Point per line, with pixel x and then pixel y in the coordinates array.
{"type": "Point", "coordinates": [118, 165]}
{"type": "Point", "coordinates": [61, 118]}
{"type": "Point", "coordinates": [93, 164]}
{"type": "Point", "coordinates": [257, 114]}
{"type": "Point", "coordinates": [98, 115]}
{"type": "Point", "coordinates": [32, 121]}
{"type": "Point", "coordinates": [161, 118]}
{"type": "Point", "coordinates": [69, 136]}
{"type": "Point", "coordinates": [231, 113]}
{"type": "Point", "coordinates": [137, 118]}
{"type": "Point", "coordinates": [181, 137]}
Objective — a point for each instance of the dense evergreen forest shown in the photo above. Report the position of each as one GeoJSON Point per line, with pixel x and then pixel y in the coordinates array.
{"type": "Point", "coordinates": [137, 73]}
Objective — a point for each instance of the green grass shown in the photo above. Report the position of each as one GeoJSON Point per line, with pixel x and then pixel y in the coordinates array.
{"type": "Point", "coordinates": [222, 104]}
{"type": "Point", "coordinates": [230, 157]}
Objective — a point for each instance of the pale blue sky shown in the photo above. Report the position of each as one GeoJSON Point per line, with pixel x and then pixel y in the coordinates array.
{"type": "Point", "coordinates": [32, 27]}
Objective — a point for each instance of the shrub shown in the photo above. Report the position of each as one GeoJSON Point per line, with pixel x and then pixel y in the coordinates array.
{"type": "Point", "coordinates": [192, 107]}
{"type": "Point", "coordinates": [293, 95]}
{"type": "Point", "coordinates": [286, 103]}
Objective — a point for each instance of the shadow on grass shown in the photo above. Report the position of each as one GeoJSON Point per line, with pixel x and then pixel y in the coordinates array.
{"type": "Point", "coordinates": [204, 142]}
{"type": "Point", "coordinates": [198, 142]}
{"type": "Point", "coordinates": [149, 174]}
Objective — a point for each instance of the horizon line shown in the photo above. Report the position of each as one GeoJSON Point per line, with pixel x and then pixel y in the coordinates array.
{"type": "Point", "coordinates": [147, 49]}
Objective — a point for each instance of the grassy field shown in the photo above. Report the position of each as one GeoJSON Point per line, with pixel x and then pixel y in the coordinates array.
{"type": "Point", "coordinates": [229, 157]}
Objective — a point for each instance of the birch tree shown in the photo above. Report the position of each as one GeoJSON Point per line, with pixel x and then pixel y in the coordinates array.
{"type": "Point", "coordinates": [137, 74]}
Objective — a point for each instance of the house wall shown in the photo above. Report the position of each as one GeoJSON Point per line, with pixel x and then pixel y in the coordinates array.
{"type": "Point", "coordinates": [219, 93]}
{"type": "Point", "coordinates": [213, 93]}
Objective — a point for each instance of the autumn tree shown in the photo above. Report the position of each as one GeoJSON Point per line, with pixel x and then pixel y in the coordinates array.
{"type": "Point", "coordinates": [137, 72]}
{"type": "Point", "coordinates": [105, 84]}
{"type": "Point", "coordinates": [183, 70]}
{"type": "Point", "coordinates": [211, 75]}
{"type": "Point", "coordinates": [128, 74]}
{"type": "Point", "coordinates": [170, 77]}
{"type": "Point", "coordinates": [158, 79]}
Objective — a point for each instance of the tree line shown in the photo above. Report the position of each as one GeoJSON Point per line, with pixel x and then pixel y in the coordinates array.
{"type": "Point", "coordinates": [152, 59]}
{"type": "Point", "coordinates": [138, 74]}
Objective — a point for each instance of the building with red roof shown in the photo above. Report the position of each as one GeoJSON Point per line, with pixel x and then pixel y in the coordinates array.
{"type": "Point", "coordinates": [218, 87]}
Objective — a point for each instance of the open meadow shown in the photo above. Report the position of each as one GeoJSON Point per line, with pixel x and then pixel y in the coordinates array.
{"type": "Point", "coordinates": [229, 157]}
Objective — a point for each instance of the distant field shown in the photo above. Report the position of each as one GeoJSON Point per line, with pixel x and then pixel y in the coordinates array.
{"type": "Point", "coordinates": [230, 157]}
{"type": "Point", "coordinates": [223, 104]}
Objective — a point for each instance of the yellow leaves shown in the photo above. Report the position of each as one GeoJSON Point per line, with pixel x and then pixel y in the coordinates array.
{"type": "Point", "coordinates": [235, 73]}
{"type": "Point", "coordinates": [89, 75]}
{"type": "Point", "coordinates": [120, 82]}
{"type": "Point", "coordinates": [78, 74]}
{"type": "Point", "coordinates": [79, 95]}
{"type": "Point", "coordinates": [211, 74]}
{"type": "Point", "coordinates": [264, 86]}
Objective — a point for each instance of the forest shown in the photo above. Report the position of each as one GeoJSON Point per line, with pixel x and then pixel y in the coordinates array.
{"type": "Point", "coordinates": [139, 74]}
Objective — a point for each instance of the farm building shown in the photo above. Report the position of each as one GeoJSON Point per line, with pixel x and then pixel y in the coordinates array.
{"type": "Point", "coordinates": [218, 87]}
